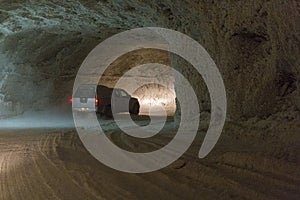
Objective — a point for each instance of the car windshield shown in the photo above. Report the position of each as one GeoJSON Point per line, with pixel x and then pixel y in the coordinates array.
{"type": "Point", "coordinates": [85, 91]}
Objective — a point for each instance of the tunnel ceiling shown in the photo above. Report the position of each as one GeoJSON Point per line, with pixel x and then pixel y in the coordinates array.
{"type": "Point", "coordinates": [136, 58]}
{"type": "Point", "coordinates": [255, 44]}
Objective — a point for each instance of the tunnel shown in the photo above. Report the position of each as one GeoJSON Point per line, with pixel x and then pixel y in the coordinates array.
{"type": "Point", "coordinates": [43, 51]}
{"type": "Point", "coordinates": [255, 45]}
{"type": "Point", "coordinates": [155, 86]}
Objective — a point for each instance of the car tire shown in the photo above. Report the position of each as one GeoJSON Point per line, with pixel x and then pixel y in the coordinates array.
{"type": "Point", "coordinates": [108, 111]}
{"type": "Point", "coordinates": [135, 109]}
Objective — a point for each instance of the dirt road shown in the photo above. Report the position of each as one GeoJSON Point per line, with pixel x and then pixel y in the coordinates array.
{"type": "Point", "coordinates": [53, 164]}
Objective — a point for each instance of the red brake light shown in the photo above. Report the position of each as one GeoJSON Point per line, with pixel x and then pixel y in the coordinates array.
{"type": "Point", "coordinates": [71, 100]}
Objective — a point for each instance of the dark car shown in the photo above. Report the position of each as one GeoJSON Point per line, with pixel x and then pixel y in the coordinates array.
{"type": "Point", "coordinates": [99, 98]}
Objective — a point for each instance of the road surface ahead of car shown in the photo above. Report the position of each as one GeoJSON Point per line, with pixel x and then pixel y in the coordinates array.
{"type": "Point", "coordinates": [53, 164]}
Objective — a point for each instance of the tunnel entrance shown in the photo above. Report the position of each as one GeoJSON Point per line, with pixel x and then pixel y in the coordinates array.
{"type": "Point", "coordinates": [150, 93]}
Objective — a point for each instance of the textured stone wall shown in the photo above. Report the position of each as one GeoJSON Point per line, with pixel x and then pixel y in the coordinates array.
{"type": "Point", "coordinates": [256, 46]}
{"type": "Point", "coordinates": [254, 43]}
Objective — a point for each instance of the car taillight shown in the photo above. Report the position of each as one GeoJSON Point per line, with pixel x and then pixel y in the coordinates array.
{"type": "Point", "coordinates": [96, 101]}
{"type": "Point", "coordinates": [71, 100]}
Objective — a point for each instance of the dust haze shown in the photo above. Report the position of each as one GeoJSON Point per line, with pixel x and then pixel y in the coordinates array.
{"type": "Point", "coordinates": [54, 118]}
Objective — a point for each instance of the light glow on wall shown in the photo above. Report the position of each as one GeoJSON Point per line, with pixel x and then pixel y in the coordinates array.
{"type": "Point", "coordinates": [154, 95]}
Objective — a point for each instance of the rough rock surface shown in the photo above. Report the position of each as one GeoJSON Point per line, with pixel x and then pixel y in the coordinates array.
{"type": "Point", "coordinates": [254, 43]}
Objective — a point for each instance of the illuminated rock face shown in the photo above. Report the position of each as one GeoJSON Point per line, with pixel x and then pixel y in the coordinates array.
{"type": "Point", "coordinates": [152, 95]}
{"type": "Point", "coordinates": [255, 45]}
{"type": "Point", "coordinates": [156, 82]}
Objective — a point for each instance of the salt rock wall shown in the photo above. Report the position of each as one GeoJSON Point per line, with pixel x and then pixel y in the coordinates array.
{"type": "Point", "coordinates": [38, 70]}
{"type": "Point", "coordinates": [254, 43]}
